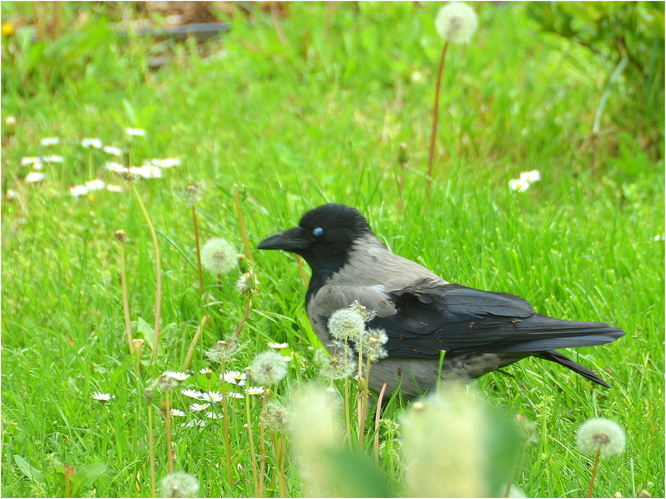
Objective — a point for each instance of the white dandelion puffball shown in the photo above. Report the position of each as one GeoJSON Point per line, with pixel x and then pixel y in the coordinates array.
{"type": "Point", "coordinates": [217, 256]}
{"type": "Point", "coordinates": [456, 22]}
{"type": "Point", "coordinates": [601, 435]}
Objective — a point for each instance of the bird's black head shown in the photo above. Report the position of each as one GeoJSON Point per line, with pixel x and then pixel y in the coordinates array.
{"type": "Point", "coordinates": [324, 237]}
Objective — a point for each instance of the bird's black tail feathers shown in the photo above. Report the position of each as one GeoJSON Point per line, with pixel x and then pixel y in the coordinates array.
{"type": "Point", "coordinates": [557, 357]}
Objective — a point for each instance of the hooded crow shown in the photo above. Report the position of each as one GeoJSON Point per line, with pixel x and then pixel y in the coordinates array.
{"type": "Point", "coordinates": [421, 313]}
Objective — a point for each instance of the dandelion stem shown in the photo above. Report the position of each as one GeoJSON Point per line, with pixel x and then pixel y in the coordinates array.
{"type": "Point", "coordinates": [304, 275]}
{"type": "Point", "coordinates": [241, 222]}
{"type": "Point", "coordinates": [377, 416]}
{"type": "Point", "coordinates": [435, 115]}
{"type": "Point", "coordinates": [225, 423]}
{"type": "Point", "coordinates": [347, 416]}
{"type": "Point", "coordinates": [167, 419]}
{"type": "Point", "coordinates": [193, 345]}
{"type": "Point", "coordinates": [151, 447]}
{"type": "Point", "coordinates": [594, 474]}
{"type": "Point", "coordinates": [244, 318]}
{"type": "Point", "coordinates": [251, 440]}
{"type": "Point", "coordinates": [196, 240]}
{"type": "Point", "coordinates": [282, 484]}
{"type": "Point", "coordinates": [158, 270]}
{"type": "Point", "coordinates": [126, 312]}
{"type": "Point", "coordinates": [262, 443]}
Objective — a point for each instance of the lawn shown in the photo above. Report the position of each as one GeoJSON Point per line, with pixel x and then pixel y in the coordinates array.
{"type": "Point", "coordinates": [332, 105]}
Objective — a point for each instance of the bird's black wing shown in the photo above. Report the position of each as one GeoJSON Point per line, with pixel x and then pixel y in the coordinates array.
{"type": "Point", "coordinates": [463, 320]}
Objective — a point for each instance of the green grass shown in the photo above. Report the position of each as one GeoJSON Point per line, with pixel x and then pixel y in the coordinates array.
{"type": "Point", "coordinates": [321, 120]}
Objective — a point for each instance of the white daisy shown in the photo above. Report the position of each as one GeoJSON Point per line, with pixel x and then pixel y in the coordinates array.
{"type": "Point", "coordinates": [199, 407]}
{"type": "Point", "coordinates": [114, 167]}
{"type": "Point", "coordinates": [50, 141]}
{"type": "Point", "coordinates": [135, 132]}
{"type": "Point", "coordinates": [30, 160]}
{"type": "Point", "coordinates": [103, 397]}
{"type": "Point", "coordinates": [37, 165]}
{"type": "Point", "coordinates": [53, 159]}
{"type": "Point", "coordinates": [213, 415]}
{"type": "Point", "coordinates": [278, 346]}
{"type": "Point", "coordinates": [196, 422]}
{"type": "Point", "coordinates": [235, 378]}
{"type": "Point", "coordinates": [195, 394]}
{"type": "Point", "coordinates": [177, 412]}
{"type": "Point", "coordinates": [113, 150]}
{"type": "Point", "coordinates": [165, 163]}
{"type": "Point", "coordinates": [114, 188]}
{"type": "Point", "coordinates": [78, 190]}
{"type": "Point", "coordinates": [212, 397]}
{"type": "Point", "coordinates": [176, 375]}
{"type": "Point", "coordinates": [146, 171]}
{"type": "Point", "coordinates": [518, 185]}
{"type": "Point", "coordinates": [255, 390]}
{"type": "Point", "coordinates": [530, 177]}
{"type": "Point", "coordinates": [33, 177]}
{"type": "Point", "coordinates": [94, 143]}
{"type": "Point", "coordinates": [235, 395]}
{"type": "Point", "coordinates": [95, 185]}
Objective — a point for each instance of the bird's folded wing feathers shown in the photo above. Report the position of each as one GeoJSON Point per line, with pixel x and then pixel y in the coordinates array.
{"type": "Point", "coordinates": [457, 319]}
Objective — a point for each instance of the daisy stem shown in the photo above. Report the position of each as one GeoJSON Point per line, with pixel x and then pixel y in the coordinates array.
{"type": "Point", "coordinates": [262, 443]}
{"type": "Point", "coordinates": [251, 440]}
{"type": "Point", "coordinates": [433, 132]}
{"type": "Point", "coordinates": [241, 222]}
{"type": "Point", "coordinates": [196, 240]}
{"type": "Point", "coordinates": [377, 416]}
{"type": "Point", "coordinates": [594, 474]}
{"type": "Point", "coordinates": [123, 285]}
{"type": "Point", "coordinates": [244, 318]}
{"type": "Point", "coordinates": [151, 447]}
{"type": "Point", "coordinates": [158, 270]}
{"type": "Point", "coordinates": [193, 345]}
{"type": "Point", "coordinates": [167, 419]}
{"type": "Point", "coordinates": [225, 423]}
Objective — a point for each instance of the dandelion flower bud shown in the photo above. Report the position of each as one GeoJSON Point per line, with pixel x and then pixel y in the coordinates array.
{"type": "Point", "coordinates": [121, 236]}
{"type": "Point", "coordinates": [138, 345]}
{"type": "Point", "coordinates": [601, 435]}
{"type": "Point", "coordinates": [243, 263]}
{"type": "Point", "coordinates": [247, 284]}
{"type": "Point", "coordinates": [456, 22]}
{"type": "Point", "coordinates": [179, 484]}
{"type": "Point", "coordinates": [217, 256]}
{"type": "Point", "coordinates": [268, 368]}
{"type": "Point", "coordinates": [346, 324]}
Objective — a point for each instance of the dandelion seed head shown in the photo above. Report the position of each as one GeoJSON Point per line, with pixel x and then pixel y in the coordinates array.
{"type": "Point", "coordinates": [165, 382]}
{"type": "Point", "coordinates": [268, 368]}
{"type": "Point", "coordinates": [373, 344]}
{"type": "Point", "coordinates": [217, 256]}
{"type": "Point", "coordinates": [224, 349]}
{"type": "Point", "coordinates": [346, 324]}
{"type": "Point", "coordinates": [179, 484]}
{"type": "Point", "coordinates": [456, 22]}
{"type": "Point", "coordinates": [601, 435]}
{"type": "Point", "coordinates": [276, 416]}
{"type": "Point", "coordinates": [122, 237]}
{"type": "Point", "coordinates": [363, 311]}
{"type": "Point", "coordinates": [247, 284]}
{"type": "Point", "coordinates": [340, 364]}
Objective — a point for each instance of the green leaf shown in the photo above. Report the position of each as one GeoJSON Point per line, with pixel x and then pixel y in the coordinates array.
{"type": "Point", "coordinates": [146, 330]}
{"type": "Point", "coordinates": [87, 475]}
{"type": "Point", "coordinates": [32, 473]}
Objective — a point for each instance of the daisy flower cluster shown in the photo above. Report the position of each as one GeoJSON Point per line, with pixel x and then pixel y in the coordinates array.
{"type": "Point", "coordinates": [522, 183]}
{"type": "Point", "coordinates": [150, 169]}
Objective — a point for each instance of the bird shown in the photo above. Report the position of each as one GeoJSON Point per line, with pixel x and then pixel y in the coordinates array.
{"type": "Point", "coordinates": [421, 313]}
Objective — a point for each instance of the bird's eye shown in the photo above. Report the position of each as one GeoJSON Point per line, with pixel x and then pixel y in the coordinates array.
{"type": "Point", "coordinates": [318, 232]}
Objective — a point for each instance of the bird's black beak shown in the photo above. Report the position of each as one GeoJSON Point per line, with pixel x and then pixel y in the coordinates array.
{"type": "Point", "coordinates": [290, 240]}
